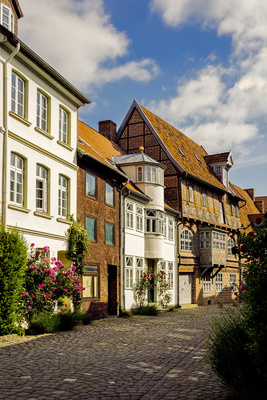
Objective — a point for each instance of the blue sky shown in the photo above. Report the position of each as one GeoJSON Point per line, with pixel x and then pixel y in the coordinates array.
{"type": "Point", "coordinates": [199, 64]}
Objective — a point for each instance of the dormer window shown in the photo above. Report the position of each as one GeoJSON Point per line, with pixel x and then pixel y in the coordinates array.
{"type": "Point", "coordinates": [6, 17]}
{"type": "Point", "coordinates": [181, 151]}
{"type": "Point", "coordinates": [218, 169]}
{"type": "Point", "coordinates": [150, 174]}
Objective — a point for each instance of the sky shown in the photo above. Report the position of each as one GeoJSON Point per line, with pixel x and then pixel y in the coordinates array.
{"type": "Point", "coordinates": [201, 65]}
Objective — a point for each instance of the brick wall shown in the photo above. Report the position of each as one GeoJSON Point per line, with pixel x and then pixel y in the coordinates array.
{"type": "Point", "coordinates": [102, 253]}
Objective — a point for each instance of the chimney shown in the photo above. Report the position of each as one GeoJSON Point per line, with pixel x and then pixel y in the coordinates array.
{"type": "Point", "coordinates": [108, 129]}
{"type": "Point", "coordinates": [251, 193]}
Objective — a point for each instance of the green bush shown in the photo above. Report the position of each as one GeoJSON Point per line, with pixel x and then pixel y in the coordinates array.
{"type": "Point", "coordinates": [146, 310]}
{"type": "Point", "coordinates": [228, 351]}
{"type": "Point", "coordinates": [86, 319]}
{"type": "Point", "coordinates": [46, 322]}
{"type": "Point", "coordinates": [13, 260]}
{"type": "Point", "coordinates": [125, 313]}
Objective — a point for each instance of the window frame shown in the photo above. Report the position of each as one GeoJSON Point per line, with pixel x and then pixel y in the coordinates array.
{"type": "Point", "coordinates": [110, 224]}
{"type": "Point", "coordinates": [95, 275]}
{"type": "Point", "coordinates": [10, 24]}
{"type": "Point", "coordinates": [230, 245]}
{"type": "Point", "coordinates": [15, 98]}
{"type": "Point", "coordinates": [43, 127]}
{"type": "Point", "coordinates": [204, 198]}
{"type": "Point", "coordinates": [91, 218]}
{"type": "Point", "coordinates": [129, 272]}
{"type": "Point", "coordinates": [205, 240]}
{"type": "Point", "coordinates": [189, 240]}
{"type": "Point", "coordinates": [139, 218]}
{"type": "Point", "coordinates": [64, 137]}
{"type": "Point", "coordinates": [62, 189]}
{"type": "Point", "coordinates": [219, 283]}
{"type": "Point", "coordinates": [232, 283]}
{"type": "Point", "coordinates": [129, 215]}
{"type": "Point", "coordinates": [45, 190]}
{"type": "Point", "coordinates": [206, 283]}
{"type": "Point", "coordinates": [170, 229]}
{"type": "Point", "coordinates": [139, 174]}
{"type": "Point", "coordinates": [190, 193]}
{"type": "Point", "coordinates": [112, 204]}
{"type": "Point", "coordinates": [87, 175]}
{"type": "Point", "coordinates": [22, 173]}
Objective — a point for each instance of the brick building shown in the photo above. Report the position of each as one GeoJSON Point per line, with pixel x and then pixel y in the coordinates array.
{"type": "Point", "coordinates": [98, 207]}
{"type": "Point", "coordinates": [197, 185]}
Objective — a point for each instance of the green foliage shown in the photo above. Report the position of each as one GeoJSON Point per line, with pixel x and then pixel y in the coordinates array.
{"type": "Point", "coordinates": [152, 280]}
{"type": "Point", "coordinates": [254, 294]}
{"type": "Point", "coordinates": [13, 259]}
{"type": "Point", "coordinates": [78, 245]}
{"type": "Point", "coordinates": [47, 283]}
{"type": "Point", "coordinates": [86, 319]}
{"type": "Point", "coordinates": [146, 310]}
{"type": "Point", "coordinates": [227, 351]}
{"type": "Point", "coordinates": [125, 313]}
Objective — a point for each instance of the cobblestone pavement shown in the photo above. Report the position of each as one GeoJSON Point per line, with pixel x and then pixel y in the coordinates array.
{"type": "Point", "coordinates": [135, 358]}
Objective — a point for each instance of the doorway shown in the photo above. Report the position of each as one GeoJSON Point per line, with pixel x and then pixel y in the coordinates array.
{"type": "Point", "coordinates": [112, 290]}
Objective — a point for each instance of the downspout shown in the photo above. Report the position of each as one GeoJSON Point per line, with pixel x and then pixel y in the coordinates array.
{"type": "Point", "coordinates": [5, 139]}
{"type": "Point", "coordinates": [123, 196]}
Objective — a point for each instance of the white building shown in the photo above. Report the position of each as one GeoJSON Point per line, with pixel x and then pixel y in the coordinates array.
{"type": "Point", "coordinates": [38, 141]}
{"type": "Point", "coordinates": [148, 227]}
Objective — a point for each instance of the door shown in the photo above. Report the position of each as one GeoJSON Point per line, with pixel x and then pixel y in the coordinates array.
{"type": "Point", "coordinates": [151, 291]}
{"type": "Point", "coordinates": [112, 290]}
{"type": "Point", "coordinates": [185, 289]}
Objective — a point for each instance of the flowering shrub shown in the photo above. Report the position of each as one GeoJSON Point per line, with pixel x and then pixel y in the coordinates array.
{"type": "Point", "coordinates": [150, 280]}
{"type": "Point", "coordinates": [47, 283]}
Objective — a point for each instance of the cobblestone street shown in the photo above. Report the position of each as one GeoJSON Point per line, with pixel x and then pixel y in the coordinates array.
{"type": "Point", "coordinates": [135, 358]}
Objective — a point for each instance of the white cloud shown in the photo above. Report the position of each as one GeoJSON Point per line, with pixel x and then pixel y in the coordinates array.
{"type": "Point", "coordinates": [77, 38]}
{"type": "Point", "coordinates": [216, 113]}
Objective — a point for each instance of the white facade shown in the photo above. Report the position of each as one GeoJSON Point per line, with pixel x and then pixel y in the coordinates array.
{"type": "Point", "coordinates": [148, 228]}
{"type": "Point", "coordinates": [38, 127]}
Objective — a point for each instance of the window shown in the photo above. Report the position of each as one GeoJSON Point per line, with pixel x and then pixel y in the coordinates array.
{"type": "Point", "coordinates": [237, 211]}
{"type": "Point", "coordinates": [205, 240]}
{"type": "Point", "coordinates": [153, 174]}
{"type": "Point", "coordinates": [222, 220]}
{"type": "Point", "coordinates": [139, 268]}
{"type": "Point", "coordinates": [170, 229]}
{"type": "Point", "coordinates": [190, 193]}
{"type": "Point", "coordinates": [206, 283]}
{"type": "Point", "coordinates": [204, 198]}
{"type": "Point", "coordinates": [160, 221]}
{"type": "Point", "coordinates": [109, 230]}
{"type": "Point", "coordinates": [109, 194]}
{"type": "Point", "coordinates": [6, 17]}
{"type": "Point", "coordinates": [186, 240]}
{"type": "Point", "coordinates": [170, 274]}
{"type": "Point", "coordinates": [91, 282]}
{"type": "Point", "coordinates": [232, 210]}
{"type": "Point", "coordinates": [139, 218]}
{"type": "Point", "coordinates": [63, 196]}
{"type": "Point", "coordinates": [218, 169]}
{"type": "Point", "coordinates": [218, 240]}
{"type": "Point", "coordinates": [90, 185]}
{"type": "Point", "coordinates": [165, 227]}
{"type": "Point", "coordinates": [230, 245]}
{"type": "Point", "coordinates": [129, 273]}
{"type": "Point", "coordinates": [139, 174]}
{"type": "Point", "coordinates": [90, 226]}
{"type": "Point", "coordinates": [18, 95]}
{"type": "Point", "coordinates": [232, 282]}
{"type": "Point", "coordinates": [218, 283]}
{"type": "Point", "coordinates": [17, 180]}
{"type": "Point", "coordinates": [63, 125]}
{"type": "Point", "coordinates": [41, 188]}
{"type": "Point", "coordinates": [151, 221]}
{"type": "Point", "coordinates": [129, 215]}
{"type": "Point", "coordinates": [163, 268]}
{"type": "Point", "coordinates": [42, 111]}
{"type": "Point", "coordinates": [148, 174]}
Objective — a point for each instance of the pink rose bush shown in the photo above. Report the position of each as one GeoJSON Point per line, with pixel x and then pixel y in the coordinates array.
{"type": "Point", "coordinates": [47, 283]}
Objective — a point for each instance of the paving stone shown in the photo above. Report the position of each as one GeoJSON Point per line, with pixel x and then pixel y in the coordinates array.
{"type": "Point", "coordinates": [137, 358]}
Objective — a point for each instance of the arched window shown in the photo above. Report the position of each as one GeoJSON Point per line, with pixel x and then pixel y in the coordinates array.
{"type": "Point", "coordinates": [186, 240]}
{"type": "Point", "coordinates": [230, 245]}
{"type": "Point", "coordinates": [190, 193]}
{"type": "Point", "coordinates": [204, 198]}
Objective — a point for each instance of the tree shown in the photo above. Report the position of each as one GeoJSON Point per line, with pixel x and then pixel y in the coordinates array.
{"type": "Point", "coordinates": [13, 259]}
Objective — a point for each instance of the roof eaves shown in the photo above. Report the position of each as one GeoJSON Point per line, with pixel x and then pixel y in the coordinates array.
{"type": "Point", "coordinates": [26, 51]}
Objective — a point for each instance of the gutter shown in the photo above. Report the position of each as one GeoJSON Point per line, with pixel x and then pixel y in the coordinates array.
{"type": "Point", "coordinates": [5, 139]}
{"type": "Point", "coordinates": [122, 280]}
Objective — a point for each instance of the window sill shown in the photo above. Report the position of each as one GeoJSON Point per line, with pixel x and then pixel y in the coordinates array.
{"type": "Point", "coordinates": [19, 118]}
{"type": "Point", "coordinates": [68, 147]}
{"type": "Point", "coordinates": [64, 221]}
{"type": "Point", "coordinates": [42, 214]}
{"type": "Point", "coordinates": [19, 208]}
{"type": "Point", "coordinates": [110, 244]}
{"type": "Point", "coordinates": [46, 134]}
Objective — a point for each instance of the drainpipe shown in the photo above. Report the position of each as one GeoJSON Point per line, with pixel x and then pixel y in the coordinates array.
{"type": "Point", "coordinates": [5, 139]}
{"type": "Point", "coordinates": [124, 194]}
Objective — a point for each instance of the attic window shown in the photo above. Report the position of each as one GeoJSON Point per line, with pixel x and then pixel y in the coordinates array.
{"type": "Point", "coordinates": [181, 151]}
{"type": "Point", "coordinates": [197, 158]}
{"type": "Point", "coordinates": [6, 17]}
